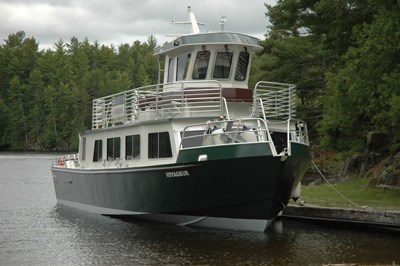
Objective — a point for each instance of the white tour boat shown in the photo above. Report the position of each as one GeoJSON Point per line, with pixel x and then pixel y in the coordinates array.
{"type": "Point", "coordinates": [201, 149]}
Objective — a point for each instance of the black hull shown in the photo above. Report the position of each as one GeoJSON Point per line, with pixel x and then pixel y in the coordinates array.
{"type": "Point", "coordinates": [253, 187]}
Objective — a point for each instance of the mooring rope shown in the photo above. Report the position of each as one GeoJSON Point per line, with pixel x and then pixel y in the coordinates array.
{"type": "Point", "coordinates": [337, 191]}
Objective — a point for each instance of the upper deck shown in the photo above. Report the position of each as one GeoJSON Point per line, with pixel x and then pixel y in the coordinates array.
{"type": "Point", "coordinates": [205, 75]}
{"type": "Point", "coordinates": [268, 100]}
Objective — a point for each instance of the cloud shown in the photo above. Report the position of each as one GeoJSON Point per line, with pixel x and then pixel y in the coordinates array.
{"type": "Point", "coordinates": [124, 21]}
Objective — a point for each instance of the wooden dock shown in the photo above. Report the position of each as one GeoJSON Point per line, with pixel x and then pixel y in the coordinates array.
{"type": "Point", "coordinates": [383, 219]}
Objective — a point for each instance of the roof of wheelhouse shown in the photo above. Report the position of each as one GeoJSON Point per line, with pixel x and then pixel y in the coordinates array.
{"type": "Point", "coordinates": [197, 38]}
{"type": "Point", "coordinates": [223, 38]}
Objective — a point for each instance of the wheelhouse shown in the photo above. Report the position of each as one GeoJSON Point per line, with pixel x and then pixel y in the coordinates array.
{"type": "Point", "coordinates": [221, 56]}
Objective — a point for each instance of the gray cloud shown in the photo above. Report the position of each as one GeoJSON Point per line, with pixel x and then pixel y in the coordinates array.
{"type": "Point", "coordinates": [124, 21]}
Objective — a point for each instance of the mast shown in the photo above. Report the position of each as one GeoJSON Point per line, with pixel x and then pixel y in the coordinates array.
{"type": "Point", "coordinates": [193, 22]}
{"type": "Point", "coordinates": [194, 25]}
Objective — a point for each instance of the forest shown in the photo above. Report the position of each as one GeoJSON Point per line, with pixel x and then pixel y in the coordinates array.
{"type": "Point", "coordinates": [344, 56]}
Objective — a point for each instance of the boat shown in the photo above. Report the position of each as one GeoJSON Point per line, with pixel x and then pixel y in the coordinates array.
{"type": "Point", "coordinates": [199, 149]}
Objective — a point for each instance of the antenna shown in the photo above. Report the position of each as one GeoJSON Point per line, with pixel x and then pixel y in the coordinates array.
{"type": "Point", "coordinates": [222, 20]}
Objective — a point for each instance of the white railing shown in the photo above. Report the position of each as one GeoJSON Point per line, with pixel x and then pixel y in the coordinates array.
{"type": "Point", "coordinates": [274, 100]}
{"type": "Point", "coordinates": [244, 131]}
{"type": "Point", "coordinates": [66, 161]}
{"type": "Point", "coordinates": [182, 99]}
{"type": "Point", "coordinates": [236, 131]}
{"type": "Point", "coordinates": [300, 133]}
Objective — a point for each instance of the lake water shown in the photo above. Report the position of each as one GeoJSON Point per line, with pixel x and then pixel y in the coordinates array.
{"type": "Point", "coordinates": [34, 230]}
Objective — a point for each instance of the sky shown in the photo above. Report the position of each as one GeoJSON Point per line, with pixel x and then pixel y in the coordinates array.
{"type": "Point", "coordinates": [125, 21]}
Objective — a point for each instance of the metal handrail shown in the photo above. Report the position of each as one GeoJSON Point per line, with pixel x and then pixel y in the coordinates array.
{"type": "Point", "coordinates": [277, 100]}
{"type": "Point", "coordinates": [232, 129]}
{"type": "Point", "coordinates": [62, 161]}
{"type": "Point", "coordinates": [160, 101]}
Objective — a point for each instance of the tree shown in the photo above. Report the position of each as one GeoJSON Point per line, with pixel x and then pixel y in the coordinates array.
{"type": "Point", "coordinates": [331, 20]}
{"type": "Point", "coordinates": [35, 117]}
{"type": "Point", "coordinates": [364, 93]}
{"type": "Point", "coordinates": [4, 143]}
{"type": "Point", "coordinates": [345, 52]}
{"type": "Point", "coordinates": [18, 137]}
{"type": "Point", "coordinates": [46, 97]}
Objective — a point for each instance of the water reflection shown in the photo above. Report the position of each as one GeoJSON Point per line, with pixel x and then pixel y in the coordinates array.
{"type": "Point", "coordinates": [115, 241]}
{"type": "Point", "coordinates": [100, 239]}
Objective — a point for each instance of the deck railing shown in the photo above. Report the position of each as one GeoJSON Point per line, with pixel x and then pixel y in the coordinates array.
{"type": "Point", "coordinates": [189, 99]}
{"type": "Point", "coordinates": [236, 131]}
{"type": "Point", "coordinates": [246, 130]}
{"type": "Point", "coordinates": [66, 161]}
{"type": "Point", "coordinates": [182, 99]}
{"type": "Point", "coordinates": [274, 100]}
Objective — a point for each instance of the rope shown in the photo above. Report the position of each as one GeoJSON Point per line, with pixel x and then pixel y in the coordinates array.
{"type": "Point", "coordinates": [337, 191]}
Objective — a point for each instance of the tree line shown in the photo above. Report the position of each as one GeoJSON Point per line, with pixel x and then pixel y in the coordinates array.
{"type": "Point", "coordinates": [344, 56]}
{"type": "Point", "coordinates": [46, 96]}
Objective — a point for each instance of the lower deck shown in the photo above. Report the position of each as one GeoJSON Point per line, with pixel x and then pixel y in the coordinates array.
{"type": "Point", "coordinates": [163, 142]}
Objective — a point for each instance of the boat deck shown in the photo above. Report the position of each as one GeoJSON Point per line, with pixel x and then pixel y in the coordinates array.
{"type": "Point", "coordinates": [192, 99]}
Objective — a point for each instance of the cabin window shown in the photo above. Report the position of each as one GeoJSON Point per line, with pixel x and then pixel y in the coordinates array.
{"type": "Point", "coordinates": [201, 65]}
{"type": "Point", "coordinates": [159, 145]}
{"type": "Point", "coordinates": [243, 64]}
{"type": "Point", "coordinates": [171, 69]}
{"type": "Point", "coordinates": [182, 67]}
{"type": "Point", "coordinates": [83, 148]}
{"type": "Point", "coordinates": [223, 64]}
{"type": "Point", "coordinates": [132, 147]}
{"type": "Point", "coordinates": [113, 148]}
{"type": "Point", "coordinates": [98, 151]}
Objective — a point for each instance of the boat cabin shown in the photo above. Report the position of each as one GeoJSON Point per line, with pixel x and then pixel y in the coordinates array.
{"type": "Point", "coordinates": [221, 56]}
{"type": "Point", "coordinates": [205, 79]}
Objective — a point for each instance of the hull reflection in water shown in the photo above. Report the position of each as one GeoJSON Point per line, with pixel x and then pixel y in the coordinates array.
{"type": "Point", "coordinates": [287, 242]}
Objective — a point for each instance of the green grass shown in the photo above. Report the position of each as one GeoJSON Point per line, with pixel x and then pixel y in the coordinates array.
{"type": "Point", "coordinates": [356, 190]}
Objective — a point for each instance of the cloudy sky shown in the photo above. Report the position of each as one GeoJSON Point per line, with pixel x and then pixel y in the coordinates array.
{"type": "Point", "coordinates": [125, 21]}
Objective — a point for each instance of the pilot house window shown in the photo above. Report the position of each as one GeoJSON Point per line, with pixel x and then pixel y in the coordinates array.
{"type": "Point", "coordinates": [243, 63]}
{"type": "Point", "coordinates": [223, 65]}
{"type": "Point", "coordinates": [171, 69]}
{"type": "Point", "coordinates": [182, 67]}
{"type": "Point", "coordinates": [113, 149]}
{"type": "Point", "coordinates": [159, 145]}
{"type": "Point", "coordinates": [201, 65]}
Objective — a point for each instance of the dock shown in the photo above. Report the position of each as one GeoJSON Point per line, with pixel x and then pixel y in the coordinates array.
{"type": "Point", "coordinates": [370, 217]}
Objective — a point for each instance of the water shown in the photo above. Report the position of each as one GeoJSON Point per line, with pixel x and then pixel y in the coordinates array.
{"type": "Point", "coordinates": [34, 230]}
